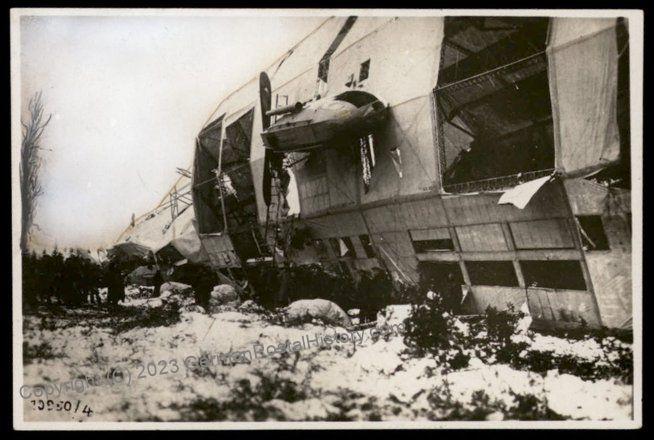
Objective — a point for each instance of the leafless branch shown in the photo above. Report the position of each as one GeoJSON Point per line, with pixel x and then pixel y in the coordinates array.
{"type": "Point", "coordinates": [30, 164]}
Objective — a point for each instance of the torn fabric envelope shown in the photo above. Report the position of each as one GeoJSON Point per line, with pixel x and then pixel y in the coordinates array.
{"type": "Point", "coordinates": [522, 194]}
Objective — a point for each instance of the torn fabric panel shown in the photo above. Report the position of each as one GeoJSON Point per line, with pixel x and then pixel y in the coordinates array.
{"type": "Point", "coordinates": [520, 195]}
{"type": "Point", "coordinates": [396, 271]}
{"type": "Point", "coordinates": [292, 194]}
{"type": "Point", "coordinates": [583, 78]}
{"type": "Point", "coordinates": [188, 244]}
{"type": "Point", "coordinates": [367, 160]}
{"type": "Point", "coordinates": [397, 160]}
{"type": "Point", "coordinates": [343, 250]}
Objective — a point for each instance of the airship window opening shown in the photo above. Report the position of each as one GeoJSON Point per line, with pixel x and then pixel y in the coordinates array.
{"type": "Point", "coordinates": [323, 69]}
{"type": "Point", "coordinates": [280, 101]}
{"type": "Point", "coordinates": [493, 102]}
{"type": "Point", "coordinates": [366, 244]}
{"type": "Point", "coordinates": [364, 70]}
{"type": "Point", "coordinates": [342, 247]}
{"type": "Point", "coordinates": [592, 233]}
{"type": "Point", "coordinates": [431, 240]}
{"type": "Point", "coordinates": [238, 187]}
{"type": "Point", "coordinates": [553, 274]}
{"type": "Point", "coordinates": [349, 250]}
{"type": "Point", "coordinates": [444, 244]}
{"type": "Point", "coordinates": [440, 276]}
{"type": "Point", "coordinates": [492, 273]}
{"type": "Point", "coordinates": [336, 248]}
{"type": "Point", "coordinates": [206, 199]}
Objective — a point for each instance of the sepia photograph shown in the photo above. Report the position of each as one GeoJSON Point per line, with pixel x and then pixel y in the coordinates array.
{"type": "Point", "coordinates": [320, 219]}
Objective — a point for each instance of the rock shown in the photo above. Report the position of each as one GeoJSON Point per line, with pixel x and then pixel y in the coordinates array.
{"type": "Point", "coordinates": [305, 310]}
{"type": "Point", "coordinates": [525, 322]}
{"type": "Point", "coordinates": [180, 301]}
{"type": "Point", "coordinates": [250, 306]}
{"type": "Point", "coordinates": [495, 416]}
{"type": "Point", "coordinates": [156, 302]}
{"type": "Point", "coordinates": [192, 308]}
{"type": "Point", "coordinates": [475, 362]}
{"type": "Point", "coordinates": [173, 287]}
{"type": "Point", "coordinates": [223, 293]}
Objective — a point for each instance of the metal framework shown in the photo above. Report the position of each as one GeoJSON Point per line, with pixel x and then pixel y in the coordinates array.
{"type": "Point", "coordinates": [177, 198]}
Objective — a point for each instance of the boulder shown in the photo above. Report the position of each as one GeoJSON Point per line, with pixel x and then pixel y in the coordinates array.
{"type": "Point", "coordinates": [223, 295]}
{"type": "Point", "coordinates": [250, 306]}
{"type": "Point", "coordinates": [177, 294]}
{"type": "Point", "coordinates": [154, 303]}
{"type": "Point", "coordinates": [174, 287]}
{"type": "Point", "coordinates": [192, 308]}
{"type": "Point", "coordinates": [305, 310]}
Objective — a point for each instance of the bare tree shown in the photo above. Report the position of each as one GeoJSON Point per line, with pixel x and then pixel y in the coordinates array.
{"type": "Point", "coordinates": [30, 165]}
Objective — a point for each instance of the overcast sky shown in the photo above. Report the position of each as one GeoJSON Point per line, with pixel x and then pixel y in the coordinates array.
{"type": "Point", "coordinates": [128, 95]}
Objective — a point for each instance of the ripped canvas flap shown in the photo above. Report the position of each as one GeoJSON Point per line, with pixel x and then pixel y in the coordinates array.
{"type": "Point", "coordinates": [520, 195]}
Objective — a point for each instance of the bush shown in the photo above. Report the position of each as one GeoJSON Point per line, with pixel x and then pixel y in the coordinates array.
{"type": "Point", "coordinates": [501, 324]}
{"type": "Point", "coordinates": [163, 316]}
{"type": "Point", "coordinates": [248, 401]}
{"type": "Point", "coordinates": [407, 294]}
{"type": "Point", "coordinates": [40, 352]}
{"type": "Point", "coordinates": [430, 329]}
{"type": "Point", "coordinates": [482, 407]}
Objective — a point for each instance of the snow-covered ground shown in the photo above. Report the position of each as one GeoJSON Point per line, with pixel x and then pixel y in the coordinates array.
{"type": "Point", "coordinates": [362, 380]}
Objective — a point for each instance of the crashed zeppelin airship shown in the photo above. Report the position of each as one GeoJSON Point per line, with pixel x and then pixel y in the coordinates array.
{"type": "Point", "coordinates": [494, 150]}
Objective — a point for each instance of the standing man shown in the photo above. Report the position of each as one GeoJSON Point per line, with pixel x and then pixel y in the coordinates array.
{"type": "Point", "coordinates": [282, 293]}
{"type": "Point", "coordinates": [452, 294]}
{"type": "Point", "coordinates": [114, 280]}
{"type": "Point", "coordinates": [157, 281]}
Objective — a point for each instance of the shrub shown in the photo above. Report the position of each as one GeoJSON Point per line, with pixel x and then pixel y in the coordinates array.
{"type": "Point", "coordinates": [248, 401]}
{"type": "Point", "coordinates": [348, 400]}
{"type": "Point", "coordinates": [163, 316]}
{"type": "Point", "coordinates": [481, 406]}
{"type": "Point", "coordinates": [431, 329]}
{"type": "Point", "coordinates": [501, 324]}
{"type": "Point", "coordinates": [40, 351]}
{"type": "Point", "coordinates": [406, 294]}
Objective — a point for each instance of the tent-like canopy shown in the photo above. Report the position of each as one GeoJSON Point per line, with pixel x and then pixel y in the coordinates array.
{"type": "Point", "coordinates": [128, 249]}
{"type": "Point", "coordinates": [177, 239]}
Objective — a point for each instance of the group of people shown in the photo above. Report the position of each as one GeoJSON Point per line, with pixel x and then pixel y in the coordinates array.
{"type": "Point", "coordinates": [71, 279]}
{"type": "Point", "coordinates": [76, 278]}
{"type": "Point", "coordinates": [370, 291]}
